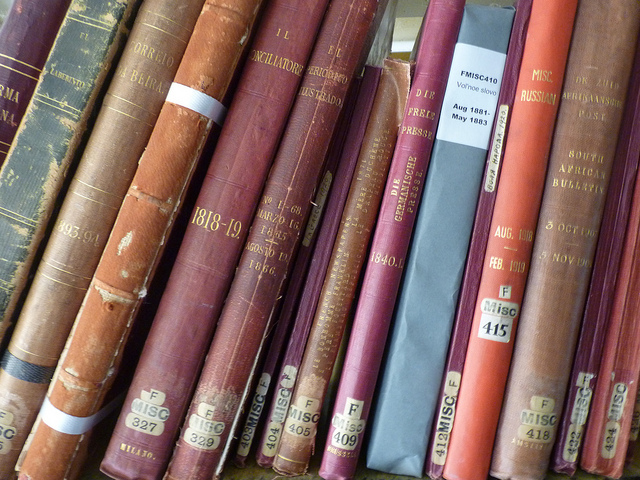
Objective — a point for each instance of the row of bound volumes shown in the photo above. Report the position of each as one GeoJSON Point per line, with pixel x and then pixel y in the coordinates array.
{"type": "Point", "coordinates": [239, 240]}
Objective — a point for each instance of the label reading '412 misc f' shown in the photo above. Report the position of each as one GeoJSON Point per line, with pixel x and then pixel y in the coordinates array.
{"type": "Point", "coordinates": [497, 320]}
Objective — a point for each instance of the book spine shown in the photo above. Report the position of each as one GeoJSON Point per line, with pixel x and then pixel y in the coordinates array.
{"type": "Point", "coordinates": [273, 239]}
{"type": "Point", "coordinates": [634, 432]}
{"type": "Point", "coordinates": [333, 184]}
{"type": "Point", "coordinates": [609, 426]}
{"type": "Point", "coordinates": [579, 168]}
{"type": "Point", "coordinates": [90, 37]}
{"type": "Point", "coordinates": [136, 92]}
{"type": "Point", "coordinates": [443, 421]}
{"type": "Point", "coordinates": [27, 34]}
{"type": "Point", "coordinates": [584, 374]}
{"type": "Point", "coordinates": [343, 272]}
{"type": "Point", "coordinates": [383, 268]}
{"type": "Point", "coordinates": [609, 423]}
{"type": "Point", "coordinates": [196, 289]}
{"type": "Point", "coordinates": [435, 263]}
{"type": "Point", "coordinates": [140, 232]}
{"type": "Point", "coordinates": [193, 109]}
{"type": "Point", "coordinates": [509, 246]}
{"type": "Point", "coordinates": [25, 42]}
{"type": "Point", "coordinates": [292, 356]}
{"type": "Point", "coordinates": [282, 325]}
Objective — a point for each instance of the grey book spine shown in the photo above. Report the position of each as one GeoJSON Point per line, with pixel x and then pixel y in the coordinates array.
{"type": "Point", "coordinates": [424, 315]}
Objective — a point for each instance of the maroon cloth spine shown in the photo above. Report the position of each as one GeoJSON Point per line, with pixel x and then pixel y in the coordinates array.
{"type": "Point", "coordinates": [332, 184]}
{"type": "Point", "coordinates": [606, 438]}
{"type": "Point", "coordinates": [273, 239]}
{"type": "Point", "coordinates": [26, 38]}
{"type": "Point", "coordinates": [317, 269]}
{"type": "Point", "coordinates": [484, 211]}
{"type": "Point", "coordinates": [213, 240]}
{"type": "Point", "coordinates": [584, 375]}
{"type": "Point", "coordinates": [391, 239]}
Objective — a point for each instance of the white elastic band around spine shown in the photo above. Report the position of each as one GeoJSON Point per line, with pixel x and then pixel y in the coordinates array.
{"type": "Point", "coordinates": [64, 423]}
{"type": "Point", "coordinates": [197, 101]}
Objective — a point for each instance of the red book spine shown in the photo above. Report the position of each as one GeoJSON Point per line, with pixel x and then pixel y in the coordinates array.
{"type": "Point", "coordinates": [293, 355]}
{"type": "Point", "coordinates": [343, 272]}
{"type": "Point", "coordinates": [329, 205]}
{"type": "Point", "coordinates": [439, 441]}
{"type": "Point", "coordinates": [584, 375]}
{"type": "Point", "coordinates": [383, 270]}
{"type": "Point", "coordinates": [510, 241]}
{"type": "Point", "coordinates": [197, 286]}
{"type": "Point", "coordinates": [334, 171]}
{"type": "Point", "coordinates": [589, 119]}
{"type": "Point", "coordinates": [609, 423]}
{"type": "Point", "coordinates": [272, 241]}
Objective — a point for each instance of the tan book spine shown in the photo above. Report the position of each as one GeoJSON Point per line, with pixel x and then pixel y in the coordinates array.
{"type": "Point", "coordinates": [93, 353]}
{"type": "Point", "coordinates": [152, 54]}
{"type": "Point", "coordinates": [343, 272]}
{"type": "Point", "coordinates": [126, 118]}
{"type": "Point", "coordinates": [129, 110]}
{"type": "Point", "coordinates": [55, 126]}
{"type": "Point", "coordinates": [133, 99]}
{"type": "Point", "coordinates": [589, 118]}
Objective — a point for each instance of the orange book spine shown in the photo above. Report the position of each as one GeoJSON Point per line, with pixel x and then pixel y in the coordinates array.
{"type": "Point", "coordinates": [580, 163]}
{"type": "Point", "coordinates": [509, 246]}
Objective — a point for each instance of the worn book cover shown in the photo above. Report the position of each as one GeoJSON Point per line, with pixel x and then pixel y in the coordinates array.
{"type": "Point", "coordinates": [50, 140]}
{"type": "Point", "coordinates": [507, 256]}
{"type": "Point", "coordinates": [384, 266]}
{"type": "Point", "coordinates": [402, 418]}
{"type": "Point", "coordinates": [580, 161]}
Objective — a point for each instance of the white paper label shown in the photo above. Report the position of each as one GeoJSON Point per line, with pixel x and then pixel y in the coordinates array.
{"type": "Point", "coordinates": [7, 431]}
{"type": "Point", "coordinates": [496, 321]}
{"type": "Point", "coordinates": [471, 96]}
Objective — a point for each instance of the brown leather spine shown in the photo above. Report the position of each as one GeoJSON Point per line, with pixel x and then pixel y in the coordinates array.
{"type": "Point", "coordinates": [121, 131]}
{"type": "Point", "coordinates": [124, 123]}
{"type": "Point", "coordinates": [589, 117]}
{"type": "Point", "coordinates": [272, 241]}
{"type": "Point", "coordinates": [343, 273]}
{"type": "Point", "coordinates": [93, 353]}
{"type": "Point", "coordinates": [55, 125]}
{"type": "Point", "coordinates": [193, 298]}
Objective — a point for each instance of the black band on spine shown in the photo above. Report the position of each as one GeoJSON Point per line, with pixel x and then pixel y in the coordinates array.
{"type": "Point", "coordinates": [26, 371]}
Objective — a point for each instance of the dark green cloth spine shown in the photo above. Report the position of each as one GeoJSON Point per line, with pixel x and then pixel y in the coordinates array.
{"type": "Point", "coordinates": [48, 139]}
